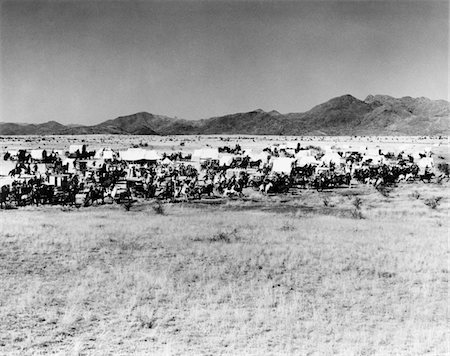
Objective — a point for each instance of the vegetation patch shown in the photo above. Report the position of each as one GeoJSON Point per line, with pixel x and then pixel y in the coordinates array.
{"type": "Point", "coordinates": [159, 209]}
{"type": "Point", "coordinates": [433, 203]}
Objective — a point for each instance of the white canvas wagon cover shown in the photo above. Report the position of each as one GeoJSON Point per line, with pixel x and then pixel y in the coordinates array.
{"type": "Point", "coordinates": [425, 162]}
{"type": "Point", "coordinates": [206, 153]}
{"type": "Point", "coordinates": [282, 165]}
{"type": "Point", "coordinates": [139, 154]}
{"type": "Point", "coordinates": [303, 153]}
{"type": "Point", "coordinates": [331, 158]}
{"type": "Point", "coordinates": [37, 154]}
{"type": "Point", "coordinates": [303, 161]}
{"type": "Point", "coordinates": [75, 148]}
{"type": "Point", "coordinates": [105, 153]}
{"type": "Point", "coordinates": [6, 167]}
{"type": "Point", "coordinates": [225, 160]}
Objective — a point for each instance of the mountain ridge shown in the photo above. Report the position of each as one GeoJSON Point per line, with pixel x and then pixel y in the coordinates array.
{"type": "Point", "coordinates": [342, 115]}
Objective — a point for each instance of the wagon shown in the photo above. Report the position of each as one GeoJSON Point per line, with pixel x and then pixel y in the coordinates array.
{"type": "Point", "coordinates": [120, 191]}
{"type": "Point", "coordinates": [137, 188]}
{"type": "Point", "coordinates": [255, 180]}
{"type": "Point", "coordinates": [80, 199]}
{"type": "Point", "coordinates": [234, 171]}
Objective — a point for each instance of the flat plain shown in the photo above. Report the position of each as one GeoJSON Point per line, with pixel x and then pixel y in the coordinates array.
{"type": "Point", "coordinates": [344, 271]}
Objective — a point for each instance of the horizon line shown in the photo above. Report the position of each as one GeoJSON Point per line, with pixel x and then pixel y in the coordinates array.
{"type": "Point", "coordinates": [215, 116]}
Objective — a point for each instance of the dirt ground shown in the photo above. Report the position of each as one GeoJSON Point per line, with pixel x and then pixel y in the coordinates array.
{"type": "Point", "coordinates": [347, 272]}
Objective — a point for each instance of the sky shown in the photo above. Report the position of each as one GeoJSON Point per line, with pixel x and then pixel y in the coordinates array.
{"type": "Point", "coordinates": [84, 62]}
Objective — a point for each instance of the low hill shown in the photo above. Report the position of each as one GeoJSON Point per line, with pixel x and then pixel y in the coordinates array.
{"type": "Point", "coordinates": [344, 115]}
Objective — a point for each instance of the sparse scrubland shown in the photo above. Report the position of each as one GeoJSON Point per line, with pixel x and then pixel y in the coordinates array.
{"type": "Point", "coordinates": [266, 275]}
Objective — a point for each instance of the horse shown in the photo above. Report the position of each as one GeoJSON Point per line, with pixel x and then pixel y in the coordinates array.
{"type": "Point", "coordinates": [320, 183]}
{"type": "Point", "coordinates": [235, 189]}
{"type": "Point", "coordinates": [207, 189]}
{"type": "Point", "coordinates": [94, 195]}
{"type": "Point", "coordinates": [266, 187]}
{"type": "Point", "coordinates": [15, 171]}
{"type": "Point", "coordinates": [47, 193]}
{"type": "Point", "coordinates": [4, 196]}
{"type": "Point", "coordinates": [426, 176]}
{"type": "Point", "coordinates": [23, 195]}
{"type": "Point", "coordinates": [35, 195]}
{"type": "Point", "coordinates": [255, 164]}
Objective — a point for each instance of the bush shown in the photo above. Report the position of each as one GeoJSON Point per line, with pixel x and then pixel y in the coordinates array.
{"type": "Point", "coordinates": [433, 203]}
{"type": "Point", "coordinates": [159, 209]}
{"type": "Point", "coordinates": [357, 203]}
{"type": "Point", "coordinates": [220, 237]}
{"type": "Point", "coordinates": [127, 205]}
{"type": "Point", "coordinates": [384, 191]}
{"type": "Point", "coordinates": [415, 194]}
{"type": "Point", "coordinates": [356, 213]}
{"type": "Point", "coordinates": [444, 168]}
{"type": "Point", "coordinates": [287, 226]}
{"type": "Point", "coordinates": [225, 236]}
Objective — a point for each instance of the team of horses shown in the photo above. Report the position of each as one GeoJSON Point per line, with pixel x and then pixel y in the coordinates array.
{"type": "Point", "coordinates": [121, 182]}
{"type": "Point", "coordinates": [184, 183]}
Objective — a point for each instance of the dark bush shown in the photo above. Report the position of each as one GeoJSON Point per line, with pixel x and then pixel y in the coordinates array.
{"type": "Point", "coordinates": [444, 168]}
{"type": "Point", "coordinates": [225, 236]}
{"type": "Point", "coordinates": [433, 203]}
{"type": "Point", "coordinates": [357, 203]}
{"type": "Point", "coordinates": [159, 209]}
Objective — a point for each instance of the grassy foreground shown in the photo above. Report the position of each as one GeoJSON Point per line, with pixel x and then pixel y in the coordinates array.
{"type": "Point", "coordinates": [303, 276]}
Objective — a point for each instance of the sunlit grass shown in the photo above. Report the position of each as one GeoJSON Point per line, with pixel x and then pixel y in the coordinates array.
{"type": "Point", "coordinates": [218, 279]}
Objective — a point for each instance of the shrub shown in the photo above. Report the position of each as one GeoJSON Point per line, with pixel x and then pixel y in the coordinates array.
{"type": "Point", "coordinates": [356, 213]}
{"type": "Point", "coordinates": [433, 203]}
{"type": "Point", "coordinates": [220, 237]}
{"type": "Point", "coordinates": [287, 226]}
{"type": "Point", "coordinates": [357, 203]}
{"type": "Point", "coordinates": [383, 190]}
{"type": "Point", "coordinates": [444, 168]}
{"type": "Point", "coordinates": [225, 236]}
{"type": "Point", "coordinates": [415, 194]}
{"type": "Point", "coordinates": [159, 209]}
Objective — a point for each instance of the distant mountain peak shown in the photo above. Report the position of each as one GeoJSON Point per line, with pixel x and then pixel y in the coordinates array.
{"type": "Point", "coordinates": [343, 115]}
{"type": "Point", "coordinates": [378, 97]}
{"type": "Point", "coordinates": [258, 111]}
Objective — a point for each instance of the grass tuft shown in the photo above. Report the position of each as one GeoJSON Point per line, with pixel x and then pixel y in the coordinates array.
{"type": "Point", "coordinates": [356, 212]}
{"type": "Point", "coordinates": [357, 203]}
{"type": "Point", "coordinates": [288, 226]}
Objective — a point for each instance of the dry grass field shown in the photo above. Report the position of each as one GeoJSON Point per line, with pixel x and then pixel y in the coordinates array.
{"type": "Point", "coordinates": [347, 272]}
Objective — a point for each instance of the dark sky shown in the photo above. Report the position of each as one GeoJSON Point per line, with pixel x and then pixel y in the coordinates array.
{"type": "Point", "coordinates": [86, 62]}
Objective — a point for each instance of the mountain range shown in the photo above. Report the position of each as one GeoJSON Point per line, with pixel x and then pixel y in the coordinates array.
{"type": "Point", "coordinates": [344, 115]}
